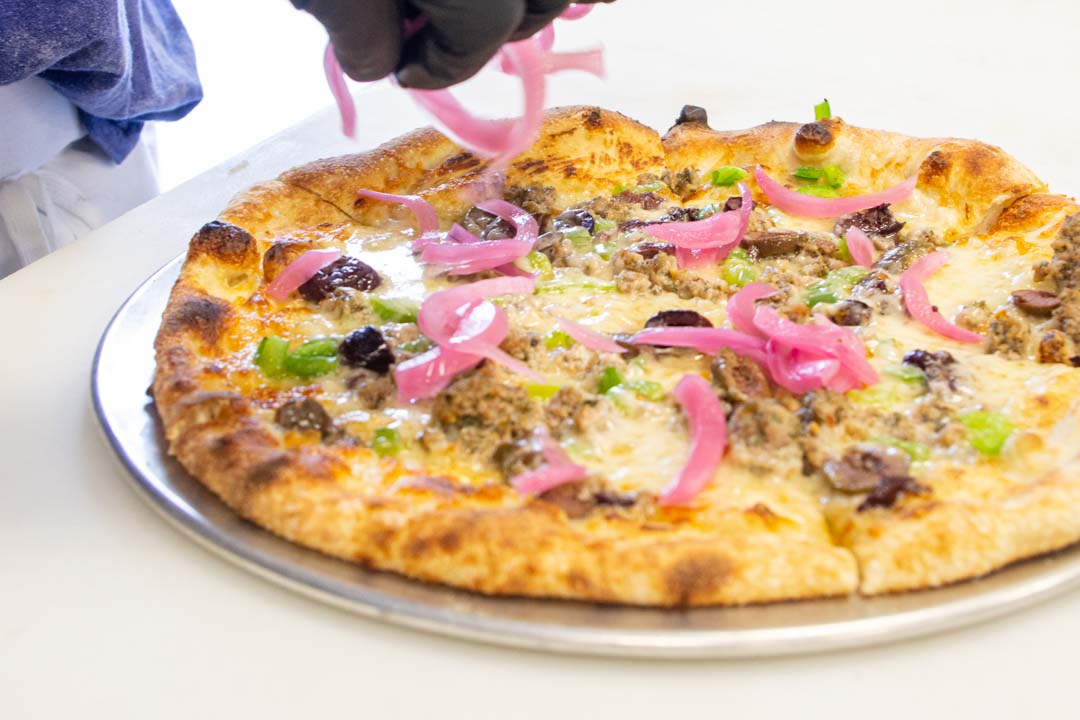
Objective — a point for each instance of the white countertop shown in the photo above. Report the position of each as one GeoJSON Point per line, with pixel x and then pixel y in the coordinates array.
{"type": "Point", "coordinates": [106, 610]}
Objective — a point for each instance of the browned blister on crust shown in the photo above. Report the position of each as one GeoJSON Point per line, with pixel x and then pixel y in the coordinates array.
{"type": "Point", "coordinates": [973, 180]}
{"type": "Point", "coordinates": [472, 533]}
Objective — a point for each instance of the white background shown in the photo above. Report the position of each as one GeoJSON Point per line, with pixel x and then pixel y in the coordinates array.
{"type": "Point", "coordinates": [107, 612]}
{"type": "Point", "coordinates": [1002, 71]}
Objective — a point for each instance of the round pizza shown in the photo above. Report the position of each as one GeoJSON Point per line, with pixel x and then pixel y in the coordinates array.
{"type": "Point", "coordinates": [708, 368]}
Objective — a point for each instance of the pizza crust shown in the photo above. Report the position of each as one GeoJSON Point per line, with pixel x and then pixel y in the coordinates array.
{"type": "Point", "coordinates": [487, 538]}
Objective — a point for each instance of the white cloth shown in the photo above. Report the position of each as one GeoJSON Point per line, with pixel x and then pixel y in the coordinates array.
{"type": "Point", "coordinates": [58, 190]}
{"type": "Point", "coordinates": [36, 124]}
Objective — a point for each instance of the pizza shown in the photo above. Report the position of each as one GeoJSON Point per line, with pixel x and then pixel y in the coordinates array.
{"type": "Point", "coordinates": [704, 368]}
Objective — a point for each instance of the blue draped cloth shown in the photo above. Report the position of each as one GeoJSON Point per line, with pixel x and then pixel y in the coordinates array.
{"type": "Point", "coordinates": [120, 62]}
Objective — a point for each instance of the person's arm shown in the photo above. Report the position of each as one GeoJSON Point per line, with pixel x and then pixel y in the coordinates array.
{"type": "Point", "coordinates": [458, 38]}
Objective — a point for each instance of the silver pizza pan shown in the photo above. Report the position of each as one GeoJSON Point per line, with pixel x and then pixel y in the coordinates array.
{"type": "Point", "coordinates": [122, 372]}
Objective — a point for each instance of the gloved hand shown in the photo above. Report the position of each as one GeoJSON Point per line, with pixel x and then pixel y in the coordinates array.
{"type": "Point", "coordinates": [459, 38]}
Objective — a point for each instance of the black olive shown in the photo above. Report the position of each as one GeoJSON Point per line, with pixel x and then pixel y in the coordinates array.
{"type": "Point", "coordinates": [692, 113]}
{"type": "Point", "coordinates": [863, 466]}
{"type": "Point", "coordinates": [735, 203]}
{"type": "Point", "coordinates": [678, 318]}
{"type": "Point", "coordinates": [306, 414]}
{"type": "Point", "coordinates": [851, 313]}
{"type": "Point", "coordinates": [574, 218]}
{"type": "Point", "coordinates": [877, 220]}
{"type": "Point", "coordinates": [343, 272]}
{"type": "Point", "coordinates": [771, 243]}
{"type": "Point", "coordinates": [928, 361]}
{"type": "Point", "coordinates": [889, 489]}
{"type": "Point", "coordinates": [938, 366]}
{"type": "Point", "coordinates": [1036, 302]}
{"type": "Point", "coordinates": [487, 226]}
{"type": "Point", "coordinates": [648, 249]}
{"type": "Point", "coordinates": [366, 348]}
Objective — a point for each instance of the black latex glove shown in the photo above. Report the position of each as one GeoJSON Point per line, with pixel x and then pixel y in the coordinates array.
{"type": "Point", "coordinates": [460, 37]}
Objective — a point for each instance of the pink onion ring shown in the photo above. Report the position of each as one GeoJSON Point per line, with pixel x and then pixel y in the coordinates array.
{"type": "Point", "coordinates": [466, 254]}
{"type": "Point", "coordinates": [741, 306]}
{"type": "Point", "coordinates": [708, 241]}
{"type": "Point", "coordinates": [708, 439]}
{"type": "Point", "coordinates": [576, 11]}
{"type": "Point", "coordinates": [587, 61]}
{"type": "Point", "coordinates": [589, 338]}
{"type": "Point", "coordinates": [335, 78]}
{"type": "Point", "coordinates": [467, 329]}
{"type": "Point", "coordinates": [557, 470]}
{"type": "Point", "coordinates": [501, 139]}
{"type": "Point", "coordinates": [860, 247]}
{"type": "Point", "coordinates": [470, 258]}
{"type": "Point", "coordinates": [482, 136]}
{"type": "Point", "coordinates": [795, 203]}
{"type": "Point", "coordinates": [800, 372]}
{"type": "Point", "coordinates": [440, 313]}
{"type": "Point", "coordinates": [427, 375]}
{"type": "Point", "coordinates": [483, 326]}
{"type": "Point", "coordinates": [546, 36]}
{"type": "Point", "coordinates": [299, 271]}
{"type": "Point", "coordinates": [426, 218]}
{"type": "Point", "coordinates": [526, 61]}
{"type": "Point", "coordinates": [822, 340]}
{"type": "Point", "coordinates": [918, 304]}
{"type": "Point", "coordinates": [704, 339]}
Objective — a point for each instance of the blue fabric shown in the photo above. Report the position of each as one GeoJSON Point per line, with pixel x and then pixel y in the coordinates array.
{"type": "Point", "coordinates": [121, 62]}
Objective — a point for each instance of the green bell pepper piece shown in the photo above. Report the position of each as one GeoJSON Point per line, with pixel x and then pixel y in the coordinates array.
{"type": "Point", "coordinates": [401, 310]}
{"type": "Point", "coordinates": [726, 176]}
{"type": "Point", "coordinates": [270, 356]}
{"type": "Point", "coordinates": [610, 377]}
{"type": "Point", "coordinates": [561, 285]}
{"type": "Point", "coordinates": [542, 391]}
{"type": "Point", "coordinates": [987, 431]}
{"type": "Point", "coordinates": [312, 359]}
{"type": "Point", "coordinates": [646, 389]}
{"type": "Point", "coordinates": [387, 442]}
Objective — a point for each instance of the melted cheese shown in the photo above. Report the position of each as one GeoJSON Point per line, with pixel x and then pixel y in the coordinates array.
{"type": "Point", "coordinates": [638, 444]}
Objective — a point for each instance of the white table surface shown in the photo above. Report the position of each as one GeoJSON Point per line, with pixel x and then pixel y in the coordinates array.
{"type": "Point", "coordinates": [106, 610]}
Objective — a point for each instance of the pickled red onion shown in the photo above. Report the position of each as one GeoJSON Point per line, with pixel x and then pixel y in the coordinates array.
{"type": "Point", "coordinates": [797, 357]}
{"type": "Point", "coordinates": [439, 314]}
{"type": "Point", "coordinates": [467, 258]}
{"type": "Point", "coordinates": [860, 247]}
{"type": "Point", "coordinates": [588, 61]}
{"type": "Point", "coordinates": [524, 223]}
{"type": "Point", "coordinates": [708, 439]}
{"type": "Point", "coordinates": [576, 11]}
{"type": "Point", "coordinates": [704, 339]}
{"type": "Point", "coordinates": [708, 241]}
{"type": "Point", "coordinates": [426, 219]}
{"type": "Point", "coordinates": [918, 304]}
{"type": "Point", "coordinates": [805, 347]}
{"type": "Point", "coordinates": [467, 329]}
{"type": "Point", "coordinates": [466, 254]}
{"type": "Point", "coordinates": [501, 139]}
{"type": "Point", "coordinates": [481, 135]}
{"type": "Point", "coordinates": [546, 36]}
{"type": "Point", "coordinates": [589, 338]}
{"type": "Point", "coordinates": [335, 78]}
{"type": "Point", "coordinates": [795, 203]}
{"type": "Point", "coordinates": [299, 271]}
{"type": "Point", "coordinates": [741, 306]}
{"type": "Point", "coordinates": [800, 372]}
{"type": "Point", "coordinates": [558, 469]}
{"type": "Point", "coordinates": [526, 60]}
{"type": "Point", "coordinates": [427, 375]}
{"type": "Point", "coordinates": [483, 326]}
